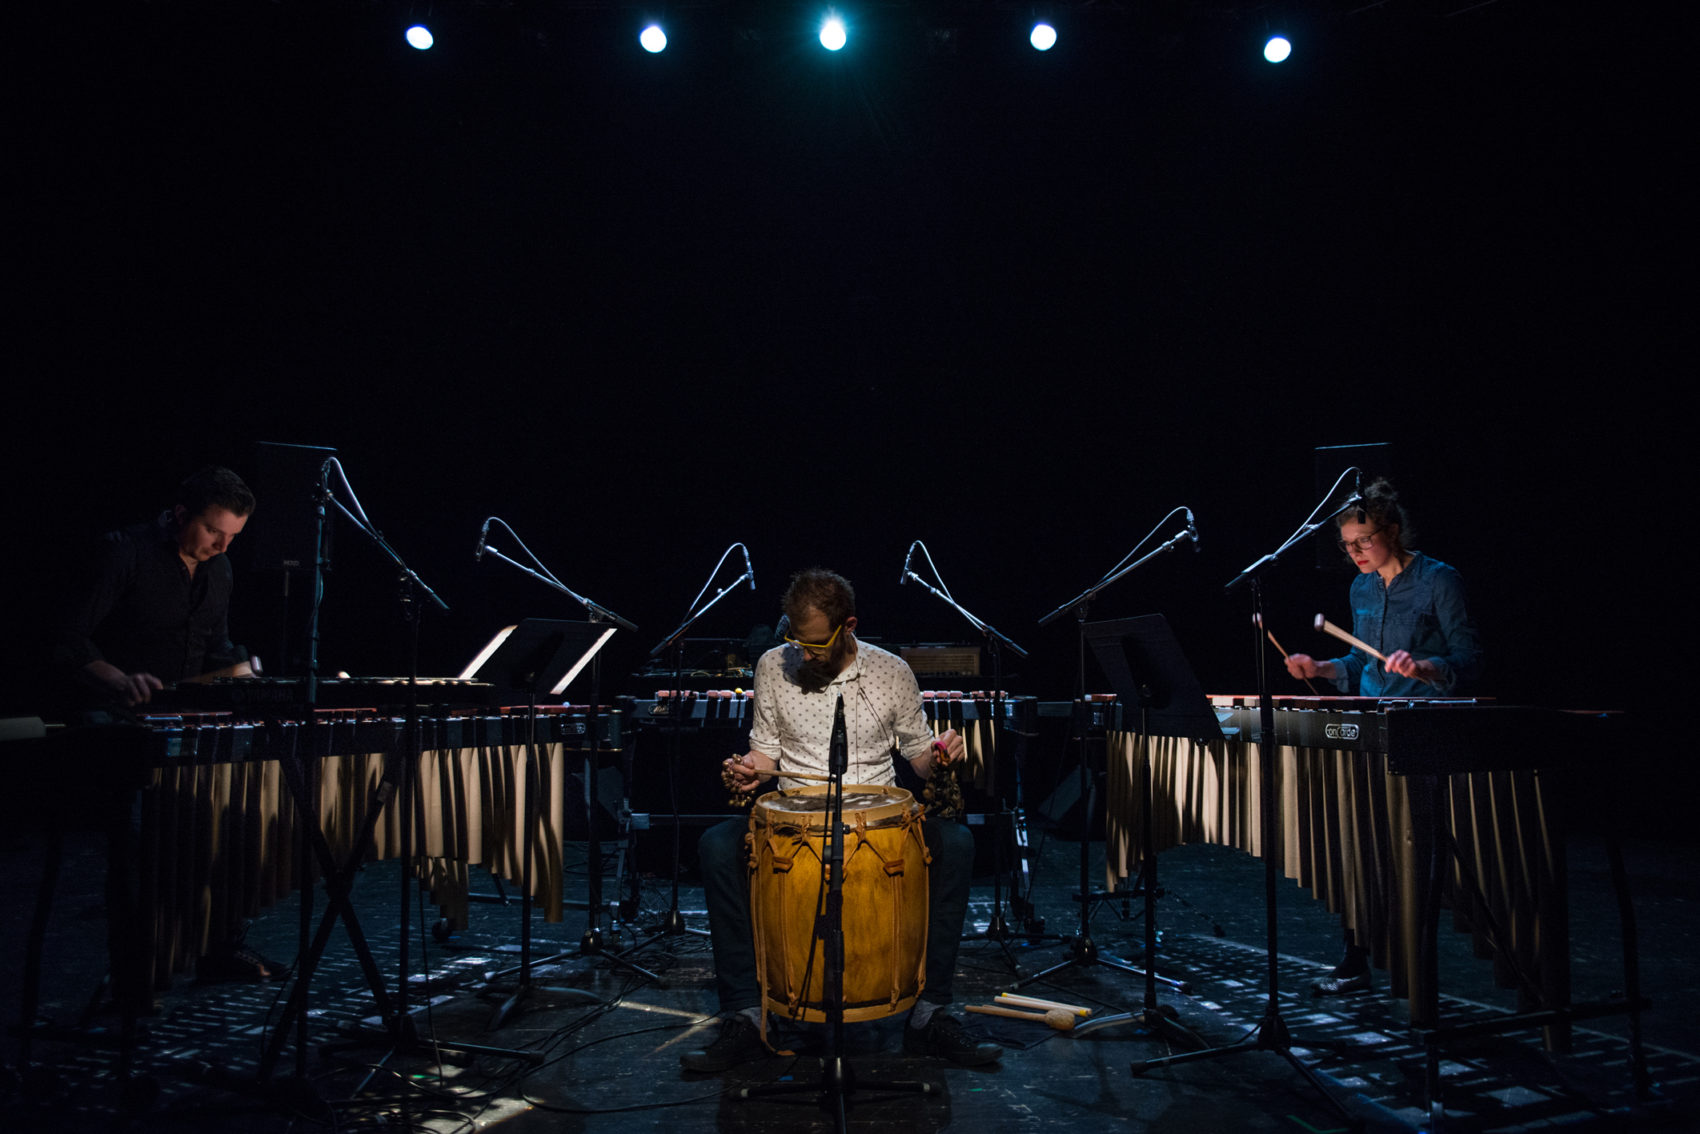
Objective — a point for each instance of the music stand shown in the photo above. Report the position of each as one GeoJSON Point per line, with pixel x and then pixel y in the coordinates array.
{"type": "Point", "coordinates": [536, 656]}
{"type": "Point", "coordinates": [1271, 1033]}
{"type": "Point", "coordinates": [1083, 950]}
{"type": "Point", "coordinates": [1149, 673]}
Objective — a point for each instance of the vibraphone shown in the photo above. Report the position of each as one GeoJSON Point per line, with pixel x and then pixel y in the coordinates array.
{"type": "Point", "coordinates": [1370, 794]}
{"type": "Point", "coordinates": [220, 825]}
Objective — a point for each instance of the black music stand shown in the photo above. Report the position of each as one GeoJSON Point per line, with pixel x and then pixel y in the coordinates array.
{"type": "Point", "coordinates": [1083, 950]}
{"type": "Point", "coordinates": [537, 655]}
{"type": "Point", "coordinates": [1149, 674]}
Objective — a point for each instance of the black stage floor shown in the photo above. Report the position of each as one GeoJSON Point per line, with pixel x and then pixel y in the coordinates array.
{"type": "Point", "coordinates": [602, 1044]}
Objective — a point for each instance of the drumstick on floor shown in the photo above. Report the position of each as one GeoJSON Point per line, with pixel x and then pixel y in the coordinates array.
{"type": "Point", "coordinates": [1058, 1018]}
{"type": "Point", "coordinates": [1258, 618]}
{"type": "Point", "coordinates": [1012, 1000]}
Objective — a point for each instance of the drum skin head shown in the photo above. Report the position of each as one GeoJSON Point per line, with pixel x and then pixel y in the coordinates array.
{"type": "Point", "coordinates": [805, 807]}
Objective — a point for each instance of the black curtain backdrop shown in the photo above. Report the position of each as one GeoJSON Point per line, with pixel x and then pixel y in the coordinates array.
{"type": "Point", "coordinates": [1016, 306]}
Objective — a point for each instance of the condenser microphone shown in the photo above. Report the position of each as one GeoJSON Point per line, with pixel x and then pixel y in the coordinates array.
{"type": "Point", "coordinates": [839, 755]}
{"type": "Point", "coordinates": [1191, 529]}
{"type": "Point", "coordinates": [907, 559]}
{"type": "Point", "coordinates": [483, 538]}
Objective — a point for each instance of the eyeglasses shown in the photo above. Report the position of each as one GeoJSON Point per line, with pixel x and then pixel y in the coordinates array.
{"type": "Point", "coordinates": [811, 647]}
{"type": "Point", "coordinates": [1362, 543]}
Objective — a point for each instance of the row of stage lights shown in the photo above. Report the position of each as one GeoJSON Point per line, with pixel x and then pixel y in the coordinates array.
{"type": "Point", "coordinates": [835, 36]}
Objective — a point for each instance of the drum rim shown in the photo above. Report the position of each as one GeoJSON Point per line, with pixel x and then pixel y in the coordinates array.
{"type": "Point", "coordinates": [900, 802]}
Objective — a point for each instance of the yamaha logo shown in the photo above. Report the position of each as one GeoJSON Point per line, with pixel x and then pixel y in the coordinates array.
{"type": "Point", "coordinates": [1342, 731]}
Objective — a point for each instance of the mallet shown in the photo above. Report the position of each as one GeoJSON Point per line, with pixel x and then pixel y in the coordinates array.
{"type": "Point", "coordinates": [1059, 1018]}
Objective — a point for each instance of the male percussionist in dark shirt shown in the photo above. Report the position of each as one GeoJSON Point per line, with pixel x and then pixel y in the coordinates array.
{"type": "Point", "coordinates": [155, 607]}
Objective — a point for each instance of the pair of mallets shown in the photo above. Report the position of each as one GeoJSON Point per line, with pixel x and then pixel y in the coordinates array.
{"type": "Point", "coordinates": [1329, 628]}
{"type": "Point", "coordinates": [1060, 1016]}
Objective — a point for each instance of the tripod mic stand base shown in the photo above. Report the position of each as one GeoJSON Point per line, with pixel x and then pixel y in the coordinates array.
{"type": "Point", "coordinates": [1159, 1021]}
{"type": "Point", "coordinates": [1271, 1035]}
{"type": "Point", "coordinates": [837, 1082]}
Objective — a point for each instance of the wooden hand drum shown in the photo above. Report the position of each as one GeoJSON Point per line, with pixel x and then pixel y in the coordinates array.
{"type": "Point", "coordinates": [885, 900]}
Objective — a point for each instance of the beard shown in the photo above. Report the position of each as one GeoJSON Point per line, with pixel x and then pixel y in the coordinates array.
{"type": "Point", "coordinates": [815, 674]}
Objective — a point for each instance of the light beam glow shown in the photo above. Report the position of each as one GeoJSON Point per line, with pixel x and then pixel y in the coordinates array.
{"type": "Point", "coordinates": [833, 35]}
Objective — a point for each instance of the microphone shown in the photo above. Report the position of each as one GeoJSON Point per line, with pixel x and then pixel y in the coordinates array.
{"type": "Point", "coordinates": [483, 538]}
{"type": "Point", "coordinates": [1191, 530]}
{"type": "Point", "coordinates": [907, 558]}
{"type": "Point", "coordinates": [840, 751]}
{"type": "Point", "coordinates": [783, 627]}
{"type": "Point", "coordinates": [748, 570]}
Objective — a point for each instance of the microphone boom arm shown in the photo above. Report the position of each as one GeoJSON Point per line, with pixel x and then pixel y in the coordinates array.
{"type": "Point", "coordinates": [979, 624]}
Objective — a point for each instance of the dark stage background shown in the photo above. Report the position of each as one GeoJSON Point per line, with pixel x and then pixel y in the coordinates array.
{"type": "Point", "coordinates": [1016, 306]}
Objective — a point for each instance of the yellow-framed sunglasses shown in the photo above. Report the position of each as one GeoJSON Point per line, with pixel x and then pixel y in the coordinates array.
{"type": "Point", "coordinates": [817, 648]}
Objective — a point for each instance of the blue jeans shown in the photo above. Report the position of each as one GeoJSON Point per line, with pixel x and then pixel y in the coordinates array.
{"type": "Point", "coordinates": [726, 885]}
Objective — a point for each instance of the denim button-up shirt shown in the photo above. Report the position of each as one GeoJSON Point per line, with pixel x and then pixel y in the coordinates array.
{"type": "Point", "coordinates": [1422, 611]}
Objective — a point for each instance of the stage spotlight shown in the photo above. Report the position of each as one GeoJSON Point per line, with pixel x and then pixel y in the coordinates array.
{"type": "Point", "coordinates": [1044, 37]}
{"type": "Point", "coordinates": [654, 40]}
{"type": "Point", "coordinates": [1277, 49]}
{"type": "Point", "coordinates": [419, 37]}
{"type": "Point", "coordinates": [833, 36]}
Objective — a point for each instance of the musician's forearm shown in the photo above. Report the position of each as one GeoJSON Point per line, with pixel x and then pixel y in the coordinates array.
{"type": "Point", "coordinates": [105, 675]}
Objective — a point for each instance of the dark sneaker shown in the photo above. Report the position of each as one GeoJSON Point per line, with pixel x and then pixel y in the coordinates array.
{"type": "Point", "coordinates": [235, 961]}
{"type": "Point", "coordinates": [1340, 985]}
{"type": "Point", "coordinates": [943, 1036]}
{"type": "Point", "coordinates": [739, 1042]}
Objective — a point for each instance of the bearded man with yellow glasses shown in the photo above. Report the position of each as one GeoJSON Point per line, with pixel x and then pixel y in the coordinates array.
{"type": "Point", "coordinates": [797, 688]}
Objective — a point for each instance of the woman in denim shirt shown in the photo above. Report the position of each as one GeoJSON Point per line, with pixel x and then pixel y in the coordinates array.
{"type": "Point", "coordinates": [1405, 604]}
{"type": "Point", "coordinates": [1411, 608]}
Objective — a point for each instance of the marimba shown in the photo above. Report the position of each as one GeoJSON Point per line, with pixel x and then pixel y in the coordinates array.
{"type": "Point", "coordinates": [220, 825]}
{"type": "Point", "coordinates": [1377, 801]}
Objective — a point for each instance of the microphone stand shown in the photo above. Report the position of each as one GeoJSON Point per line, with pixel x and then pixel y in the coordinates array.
{"type": "Point", "coordinates": [591, 944]}
{"type": "Point", "coordinates": [1083, 951]}
{"type": "Point", "coordinates": [1271, 1033]}
{"type": "Point", "coordinates": [997, 929]}
{"type": "Point", "coordinates": [399, 779]}
{"type": "Point", "coordinates": [673, 924]}
{"type": "Point", "coordinates": [838, 1078]}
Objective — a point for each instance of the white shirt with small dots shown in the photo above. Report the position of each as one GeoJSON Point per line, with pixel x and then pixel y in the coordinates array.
{"type": "Point", "coordinates": [882, 711]}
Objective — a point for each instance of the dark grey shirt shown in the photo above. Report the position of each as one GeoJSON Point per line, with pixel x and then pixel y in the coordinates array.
{"type": "Point", "coordinates": [140, 609]}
